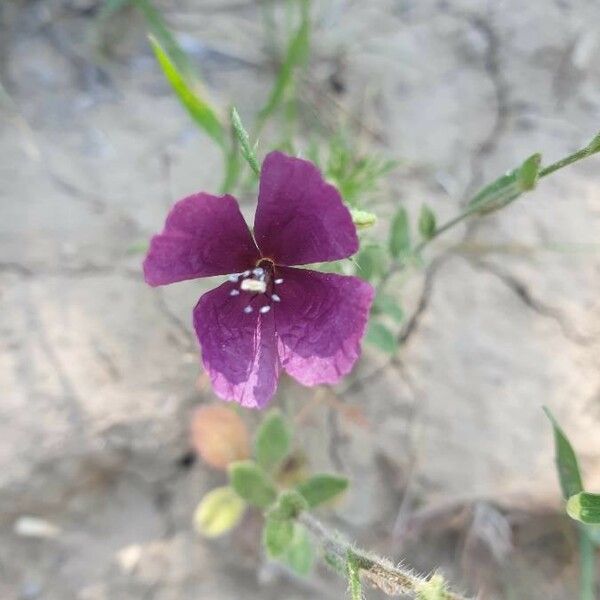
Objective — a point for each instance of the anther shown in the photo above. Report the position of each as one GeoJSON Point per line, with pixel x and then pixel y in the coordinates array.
{"type": "Point", "coordinates": [252, 285]}
{"type": "Point", "coordinates": [265, 309]}
{"type": "Point", "coordinates": [278, 281]}
{"type": "Point", "coordinates": [258, 271]}
{"type": "Point", "coordinates": [234, 292]}
{"type": "Point", "coordinates": [245, 274]}
{"type": "Point", "coordinates": [275, 298]}
{"type": "Point", "coordinates": [248, 310]}
{"type": "Point", "coordinates": [233, 278]}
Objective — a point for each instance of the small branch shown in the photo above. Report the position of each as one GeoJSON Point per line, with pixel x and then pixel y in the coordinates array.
{"type": "Point", "coordinates": [379, 572]}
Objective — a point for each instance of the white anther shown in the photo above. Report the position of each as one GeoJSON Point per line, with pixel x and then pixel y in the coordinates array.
{"type": "Point", "coordinates": [234, 278]}
{"type": "Point", "coordinates": [258, 271]}
{"type": "Point", "coordinates": [265, 309]}
{"type": "Point", "coordinates": [245, 274]}
{"type": "Point", "coordinates": [275, 298]}
{"type": "Point", "coordinates": [279, 281]}
{"type": "Point", "coordinates": [248, 310]}
{"type": "Point", "coordinates": [234, 292]}
{"type": "Point", "coordinates": [252, 285]}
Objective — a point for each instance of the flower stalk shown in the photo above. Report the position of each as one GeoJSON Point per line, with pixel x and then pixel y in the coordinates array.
{"type": "Point", "coordinates": [353, 563]}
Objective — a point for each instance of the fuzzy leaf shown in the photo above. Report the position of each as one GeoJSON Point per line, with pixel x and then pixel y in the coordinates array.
{"type": "Point", "coordinates": [300, 554]}
{"type": "Point", "coordinates": [399, 242]}
{"type": "Point", "coordinates": [272, 441]}
{"type": "Point", "coordinates": [379, 335]}
{"type": "Point", "coordinates": [427, 222]}
{"type": "Point", "coordinates": [252, 483]}
{"type": "Point", "coordinates": [218, 512]}
{"type": "Point", "coordinates": [322, 488]}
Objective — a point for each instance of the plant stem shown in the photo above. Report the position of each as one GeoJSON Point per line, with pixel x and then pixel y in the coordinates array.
{"type": "Point", "coordinates": [381, 574]}
{"type": "Point", "coordinates": [354, 577]}
{"type": "Point", "coordinates": [587, 561]}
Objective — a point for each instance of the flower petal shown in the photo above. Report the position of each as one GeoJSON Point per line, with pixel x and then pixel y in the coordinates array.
{"type": "Point", "coordinates": [239, 350]}
{"type": "Point", "coordinates": [320, 321]}
{"type": "Point", "coordinates": [204, 235]}
{"type": "Point", "coordinates": [300, 219]}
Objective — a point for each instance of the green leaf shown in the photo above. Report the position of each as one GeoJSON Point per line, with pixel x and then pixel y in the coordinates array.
{"type": "Point", "coordinates": [322, 488]}
{"type": "Point", "coordinates": [218, 512]}
{"type": "Point", "coordinates": [159, 29]}
{"type": "Point", "coordinates": [272, 441]}
{"type": "Point", "coordinates": [566, 460]}
{"type": "Point", "coordinates": [300, 555]}
{"type": "Point", "coordinates": [370, 262]}
{"type": "Point", "coordinates": [362, 219]}
{"type": "Point", "coordinates": [252, 483]}
{"type": "Point", "coordinates": [289, 504]}
{"type": "Point", "coordinates": [379, 335]}
{"type": "Point", "coordinates": [198, 108]}
{"type": "Point", "coordinates": [387, 305]}
{"type": "Point", "coordinates": [427, 222]}
{"type": "Point", "coordinates": [584, 507]}
{"type": "Point", "coordinates": [529, 172]}
{"type": "Point", "coordinates": [296, 54]}
{"type": "Point", "coordinates": [244, 139]}
{"type": "Point", "coordinates": [278, 534]}
{"type": "Point", "coordinates": [399, 242]}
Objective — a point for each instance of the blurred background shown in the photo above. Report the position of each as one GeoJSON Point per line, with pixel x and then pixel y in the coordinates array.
{"type": "Point", "coordinates": [445, 441]}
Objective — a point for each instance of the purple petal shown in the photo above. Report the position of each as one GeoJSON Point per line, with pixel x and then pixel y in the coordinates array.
{"type": "Point", "coordinates": [204, 235]}
{"type": "Point", "coordinates": [300, 219]}
{"type": "Point", "coordinates": [239, 350]}
{"type": "Point", "coordinates": [320, 321]}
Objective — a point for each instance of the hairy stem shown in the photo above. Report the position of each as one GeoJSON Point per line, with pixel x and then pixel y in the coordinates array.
{"type": "Point", "coordinates": [380, 573]}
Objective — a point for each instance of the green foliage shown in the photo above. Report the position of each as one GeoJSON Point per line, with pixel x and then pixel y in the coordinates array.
{"type": "Point", "coordinates": [353, 175]}
{"type": "Point", "coordinates": [160, 30]}
{"type": "Point", "coordinates": [379, 335]}
{"type": "Point", "coordinates": [427, 222]}
{"type": "Point", "coordinates": [296, 55]}
{"type": "Point", "coordinates": [322, 488]}
{"type": "Point", "coordinates": [273, 440]}
{"type": "Point", "coordinates": [300, 555]}
{"type": "Point", "coordinates": [278, 534]}
{"type": "Point", "coordinates": [370, 262]}
{"type": "Point", "coordinates": [218, 512]}
{"type": "Point", "coordinates": [399, 240]}
{"type": "Point", "coordinates": [198, 108]}
{"type": "Point", "coordinates": [290, 504]}
{"type": "Point", "coordinates": [387, 305]}
{"type": "Point", "coordinates": [584, 507]}
{"type": "Point", "coordinates": [528, 173]}
{"type": "Point", "coordinates": [252, 483]}
{"type": "Point", "coordinates": [244, 140]}
{"type": "Point", "coordinates": [353, 571]}
{"type": "Point", "coordinates": [566, 460]}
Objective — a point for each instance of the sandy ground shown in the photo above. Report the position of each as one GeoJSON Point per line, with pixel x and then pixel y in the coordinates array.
{"type": "Point", "coordinates": [98, 373]}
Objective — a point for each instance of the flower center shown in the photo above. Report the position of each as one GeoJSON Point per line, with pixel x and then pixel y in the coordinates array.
{"type": "Point", "coordinates": [260, 284]}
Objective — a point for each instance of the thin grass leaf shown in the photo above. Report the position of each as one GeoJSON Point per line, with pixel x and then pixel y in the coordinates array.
{"type": "Point", "coordinates": [160, 30]}
{"type": "Point", "coordinates": [198, 108]}
{"type": "Point", "coordinates": [296, 54]}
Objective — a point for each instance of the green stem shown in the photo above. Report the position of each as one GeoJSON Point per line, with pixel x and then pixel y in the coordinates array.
{"type": "Point", "coordinates": [587, 561]}
{"type": "Point", "coordinates": [353, 577]}
{"type": "Point", "coordinates": [380, 573]}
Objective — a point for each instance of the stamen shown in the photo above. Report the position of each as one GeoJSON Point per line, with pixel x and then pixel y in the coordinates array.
{"type": "Point", "coordinates": [245, 274]}
{"type": "Point", "coordinates": [258, 271]}
{"type": "Point", "coordinates": [278, 281]}
{"type": "Point", "coordinates": [234, 292]}
{"type": "Point", "coordinates": [265, 309]}
{"type": "Point", "coordinates": [248, 310]}
{"type": "Point", "coordinates": [275, 298]}
{"type": "Point", "coordinates": [233, 278]}
{"type": "Point", "coordinates": [252, 285]}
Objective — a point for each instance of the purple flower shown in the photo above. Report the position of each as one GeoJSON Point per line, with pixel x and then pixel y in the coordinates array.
{"type": "Point", "coordinates": [268, 315]}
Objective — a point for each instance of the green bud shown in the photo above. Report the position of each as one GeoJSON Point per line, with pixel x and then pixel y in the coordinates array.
{"type": "Point", "coordinates": [363, 219]}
